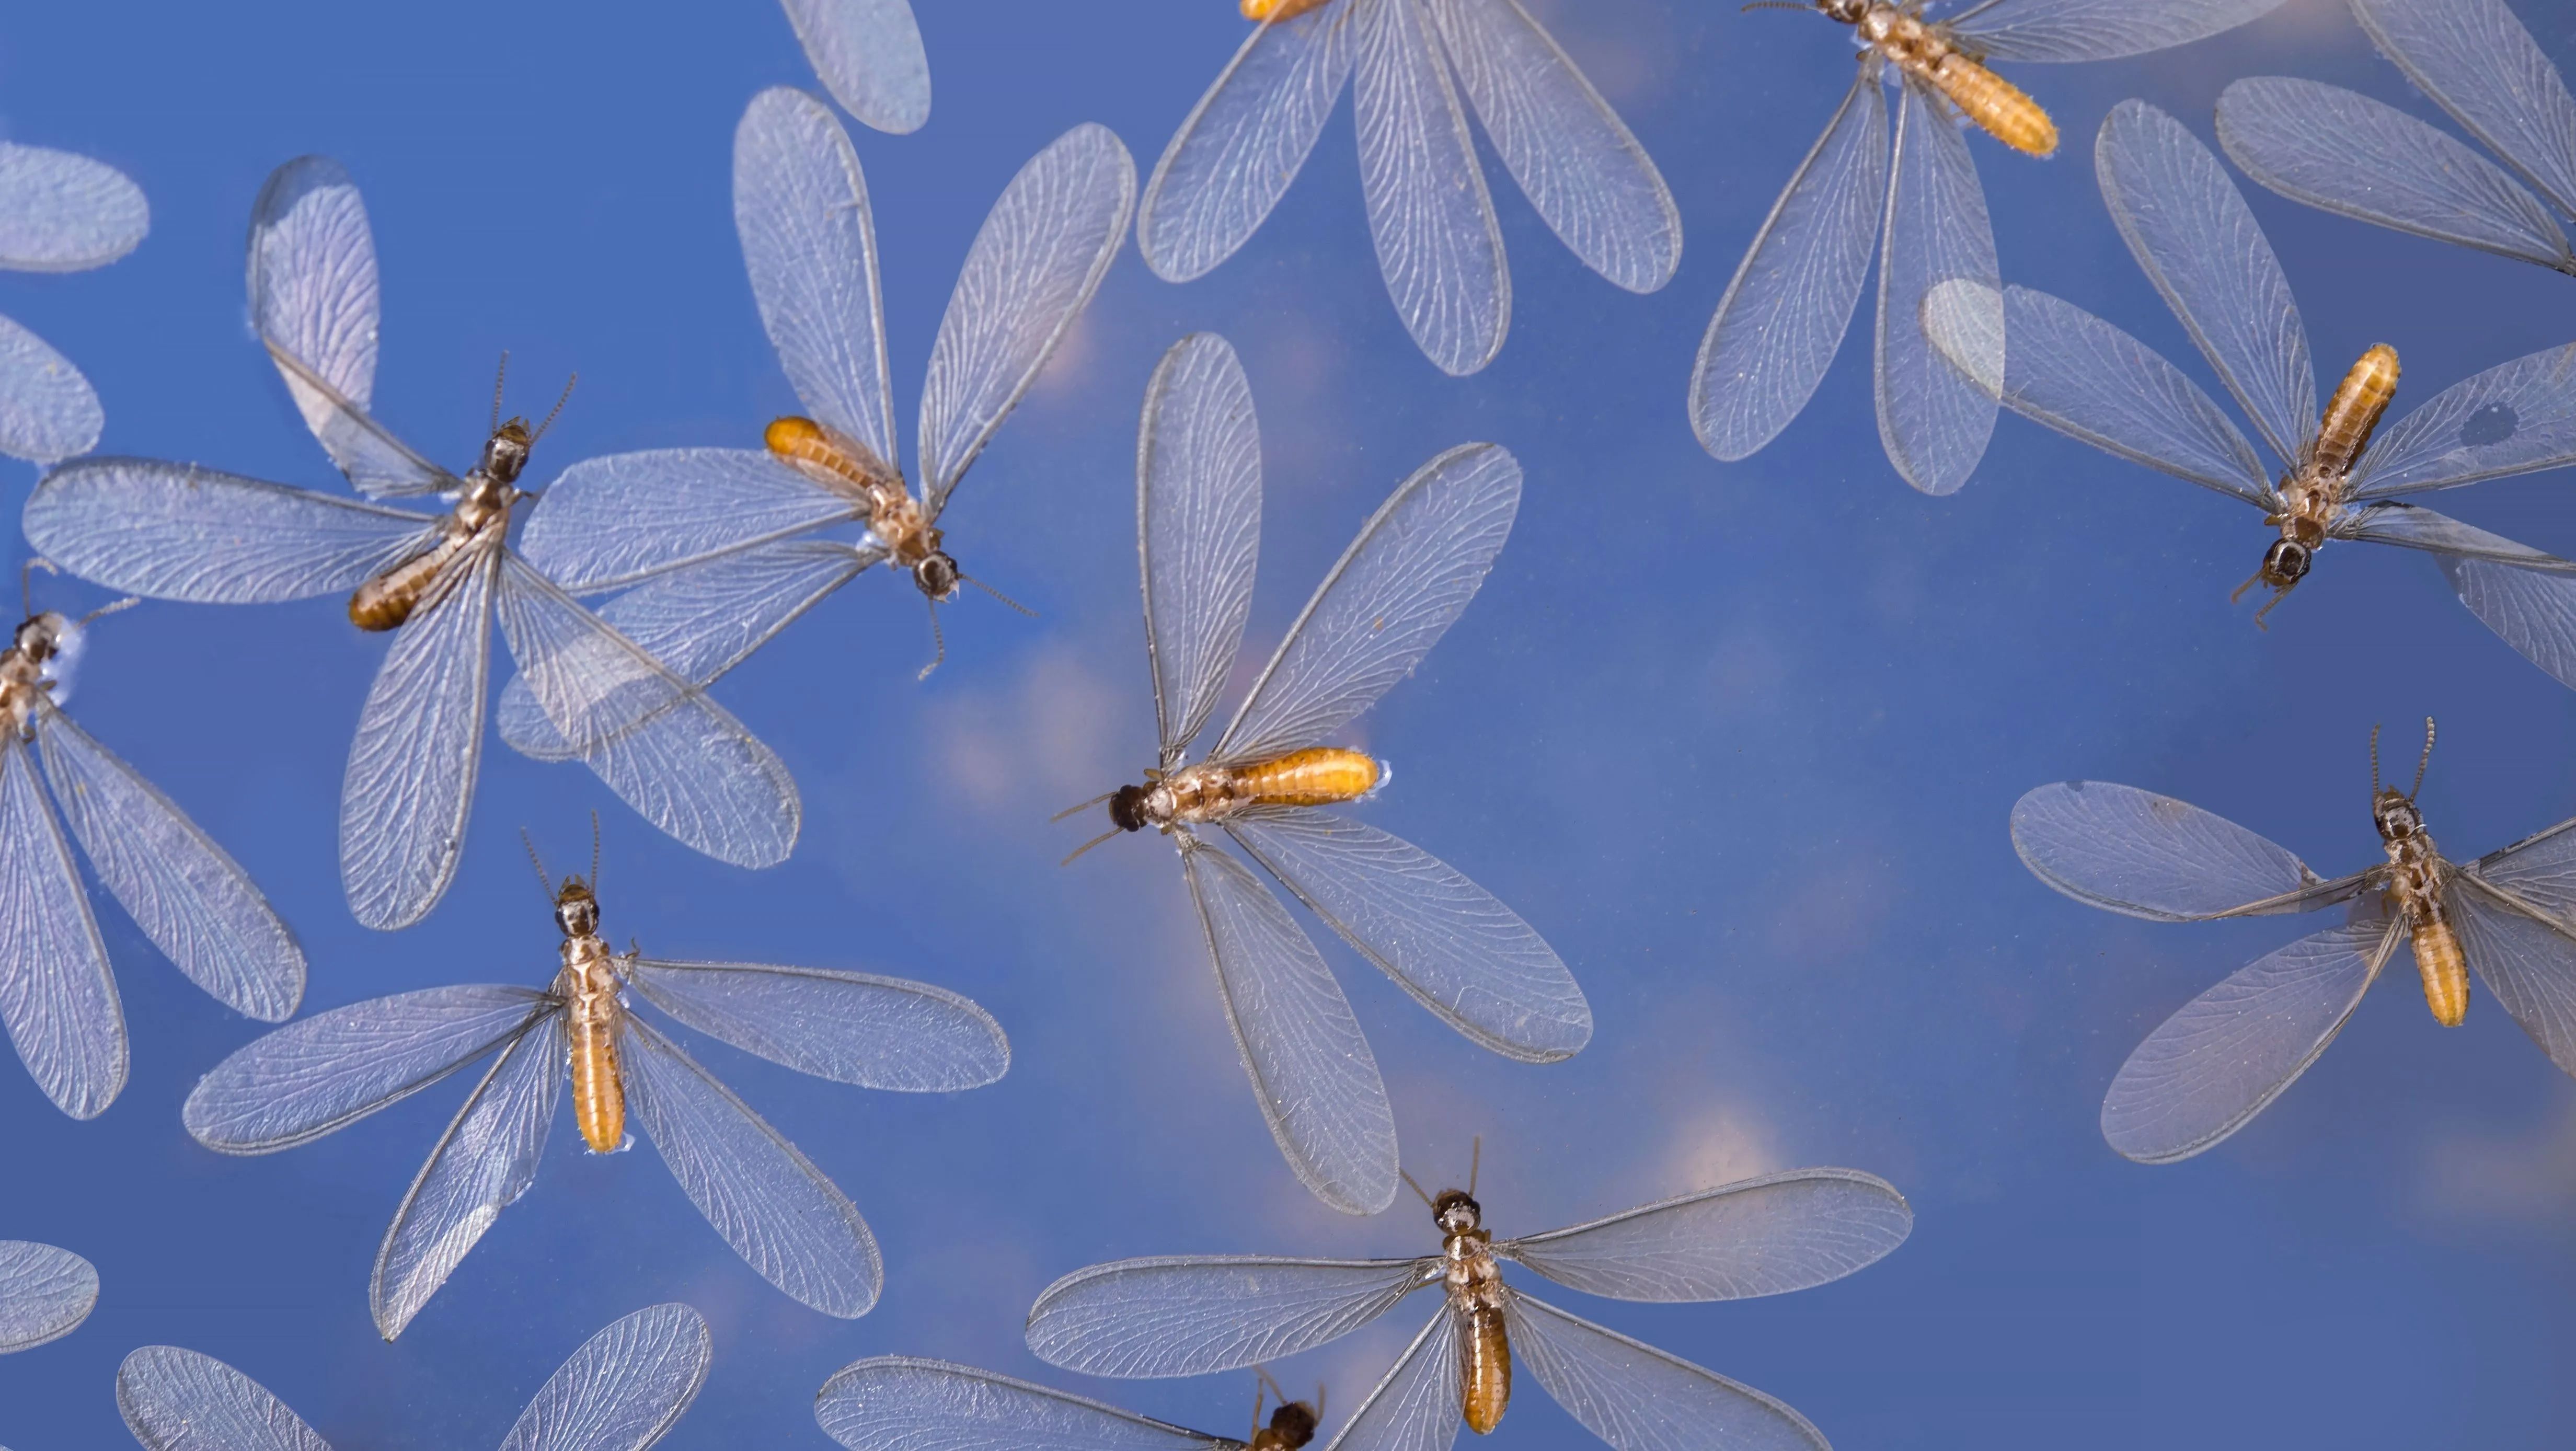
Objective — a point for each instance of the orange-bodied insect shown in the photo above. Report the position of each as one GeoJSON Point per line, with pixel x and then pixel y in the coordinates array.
{"type": "Point", "coordinates": [900, 1403]}
{"type": "Point", "coordinates": [2214, 1065]}
{"type": "Point", "coordinates": [1765, 1236]}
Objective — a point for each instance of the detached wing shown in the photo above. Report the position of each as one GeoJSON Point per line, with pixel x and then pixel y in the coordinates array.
{"type": "Point", "coordinates": [897, 1403]}
{"type": "Point", "coordinates": [2478, 63]}
{"type": "Point", "coordinates": [1243, 143]}
{"type": "Point", "coordinates": [850, 1027]}
{"type": "Point", "coordinates": [2363, 159]}
{"type": "Point", "coordinates": [787, 1221]}
{"type": "Point", "coordinates": [2143, 855]}
{"type": "Point", "coordinates": [194, 901]}
{"type": "Point", "coordinates": [1573, 157]}
{"type": "Point", "coordinates": [1417, 1406]}
{"type": "Point", "coordinates": [1765, 1236]}
{"type": "Point", "coordinates": [48, 411]}
{"type": "Point", "coordinates": [1438, 244]}
{"type": "Point", "coordinates": [1933, 421]}
{"type": "Point", "coordinates": [2514, 418]}
{"type": "Point", "coordinates": [2069, 30]}
{"type": "Point", "coordinates": [624, 1389]}
{"type": "Point", "coordinates": [179, 532]}
{"type": "Point", "coordinates": [45, 1293]}
{"type": "Point", "coordinates": [1176, 1316]}
{"type": "Point", "coordinates": [1036, 261]}
{"type": "Point", "coordinates": [1459, 952]}
{"type": "Point", "coordinates": [868, 53]}
{"type": "Point", "coordinates": [800, 205]}
{"type": "Point", "coordinates": [2229, 1052]}
{"type": "Point", "coordinates": [178, 1400]}
{"type": "Point", "coordinates": [56, 992]}
{"type": "Point", "coordinates": [608, 523]}
{"type": "Point", "coordinates": [330, 1070]}
{"type": "Point", "coordinates": [1389, 598]}
{"type": "Point", "coordinates": [1638, 1398]}
{"type": "Point", "coordinates": [63, 212]}
{"type": "Point", "coordinates": [409, 787]}
{"type": "Point", "coordinates": [1198, 527]}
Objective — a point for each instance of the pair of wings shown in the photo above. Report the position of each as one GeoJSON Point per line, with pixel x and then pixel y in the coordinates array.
{"type": "Point", "coordinates": [705, 541]}
{"type": "Point", "coordinates": [868, 55]}
{"type": "Point", "coordinates": [59, 212]}
{"type": "Point", "coordinates": [776, 1210]}
{"type": "Point", "coordinates": [2199, 244]}
{"type": "Point", "coordinates": [1765, 1236]}
{"type": "Point", "coordinates": [2346, 153]}
{"type": "Point", "coordinates": [1438, 243]}
{"type": "Point", "coordinates": [1783, 316]}
{"type": "Point", "coordinates": [177, 531]}
{"type": "Point", "coordinates": [623, 1390]}
{"type": "Point", "coordinates": [45, 1293]}
{"type": "Point", "coordinates": [1395, 591]}
{"type": "Point", "coordinates": [57, 993]}
{"type": "Point", "coordinates": [2229, 1052]}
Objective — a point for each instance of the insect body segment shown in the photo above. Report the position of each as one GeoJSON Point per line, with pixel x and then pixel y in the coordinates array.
{"type": "Point", "coordinates": [1998, 107]}
{"type": "Point", "coordinates": [481, 517]}
{"type": "Point", "coordinates": [589, 986]}
{"type": "Point", "coordinates": [24, 676]}
{"type": "Point", "coordinates": [1208, 793]}
{"type": "Point", "coordinates": [1279, 10]}
{"type": "Point", "coordinates": [847, 466]}
{"type": "Point", "coordinates": [1474, 1283]}
{"type": "Point", "coordinates": [2416, 878]}
{"type": "Point", "coordinates": [2312, 495]}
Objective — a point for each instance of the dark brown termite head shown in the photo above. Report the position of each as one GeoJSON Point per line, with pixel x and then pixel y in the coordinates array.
{"type": "Point", "coordinates": [2393, 811]}
{"type": "Point", "coordinates": [2285, 563]}
{"type": "Point", "coordinates": [1456, 1212]}
{"type": "Point", "coordinates": [1291, 1426]}
{"type": "Point", "coordinates": [1127, 808]}
{"type": "Point", "coordinates": [937, 575]}
{"type": "Point", "coordinates": [506, 452]}
{"type": "Point", "coordinates": [40, 636]}
{"type": "Point", "coordinates": [576, 910]}
{"type": "Point", "coordinates": [1848, 12]}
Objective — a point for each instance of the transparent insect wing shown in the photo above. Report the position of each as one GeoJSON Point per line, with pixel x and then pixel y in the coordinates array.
{"type": "Point", "coordinates": [856, 1028]}
{"type": "Point", "coordinates": [1932, 422]}
{"type": "Point", "coordinates": [57, 995]}
{"type": "Point", "coordinates": [2084, 30]}
{"type": "Point", "coordinates": [179, 1400]}
{"type": "Point", "coordinates": [2524, 953]}
{"type": "Point", "coordinates": [2517, 417]}
{"type": "Point", "coordinates": [2144, 855]}
{"type": "Point", "coordinates": [1439, 246]}
{"type": "Point", "coordinates": [1418, 1405]}
{"type": "Point", "coordinates": [625, 519]}
{"type": "Point", "coordinates": [624, 1389]}
{"type": "Point", "coordinates": [1763, 1236]}
{"type": "Point", "coordinates": [2479, 64]}
{"type": "Point", "coordinates": [1152, 1318]}
{"type": "Point", "coordinates": [868, 55]}
{"type": "Point", "coordinates": [1198, 507]}
{"type": "Point", "coordinates": [1639, 1398]}
{"type": "Point", "coordinates": [45, 1293]}
{"type": "Point", "coordinates": [63, 212]}
{"type": "Point", "coordinates": [48, 411]}
{"type": "Point", "coordinates": [893, 1402]}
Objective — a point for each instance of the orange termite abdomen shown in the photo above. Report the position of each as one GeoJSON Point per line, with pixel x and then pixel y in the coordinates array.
{"type": "Point", "coordinates": [1316, 776]}
{"type": "Point", "coordinates": [1279, 9]}
{"type": "Point", "coordinates": [386, 601]}
{"type": "Point", "coordinates": [598, 1087]}
{"type": "Point", "coordinates": [2002, 109]}
{"type": "Point", "coordinates": [2445, 971]}
{"type": "Point", "coordinates": [1484, 1367]}
{"type": "Point", "coordinates": [2354, 411]}
{"type": "Point", "coordinates": [820, 450]}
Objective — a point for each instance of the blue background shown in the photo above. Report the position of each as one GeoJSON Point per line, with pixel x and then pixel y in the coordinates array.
{"type": "Point", "coordinates": [1739, 740]}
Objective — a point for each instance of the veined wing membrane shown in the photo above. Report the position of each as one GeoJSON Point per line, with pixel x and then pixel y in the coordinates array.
{"type": "Point", "coordinates": [701, 620]}
{"type": "Point", "coordinates": [623, 1389]}
{"type": "Point", "coordinates": [479, 1167]}
{"type": "Point", "coordinates": [2228, 1053]}
{"type": "Point", "coordinates": [1766, 1236]}
{"type": "Point", "coordinates": [2533, 610]}
{"type": "Point", "coordinates": [1311, 1069]}
{"type": "Point", "coordinates": [313, 298]}
{"type": "Point", "coordinates": [1194, 1316]}
{"type": "Point", "coordinates": [850, 1027]}
{"type": "Point", "coordinates": [410, 782]}
{"type": "Point", "coordinates": [1571, 154]}
{"type": "Point", "coordinates": [682, 761]}
{"type": "Point", "coordinates": [325, 1072]}
{"type": "Point", "coordinates": [2069, 370]}
{"type": "Point", "coordinates": [2199, 244]}
{"type": "Point", "coordinates": [1638, 1398]}
{"type": "Point", "coordinates": [179, 1400]}
{"type": "Point", "coordinates": [800, 205]}
{"type": "Point", "coordinates": [194, 901]}
{"type": "Point", "coordinates": [1438, 245]}
{"type": "Point", "coordinates": [48, 411]}
{"type": "Point", "coordinates": [180, 532]}
{"type": "Point", "coordinates": [1784, 315]}
{"type": "Point", "coordinates": [1416, 1406]}
{"type": "Point", "coordinates": [786, 1220]}
{"type": "Point", "coordinates": [2514, 418]}
{"type": "Point", "coordinates": [2478, 63]}
{"type": "Point", "coordinates": [1385, 603]}
{"type": "Point", "coordinates": [1036, 261]}
{"type": "Point", "coordinates": [608, 523]}
{"type": "Point", "coordinates": [2528, 963]}
{"type": "Point", "coordinates": [1199, 471]}
{"type": "Point", "coordinates": [869, 54]}
{"type": "Point", "coordinates": [45, 1293]}
{"type": "Point", "coordinates": [1243, 143]}
{"type": "Point", "coordinates": [2539, 870]}
{"type": "Point", "coordinates": [64, 212]}
{"type": "Point", "coordinates": [897, 1403]}
{"type": "Point", "coordinates": [1445, 940]}
{"type": "Point", "coordinates": [2077, 30]}
{"type": "Point", "coordinates": [2412, 526]}
{"type": "Point", "coordinates": [2301, 138]}
{"type": "Point", "coordinates": [379, 464]}
{"type": "Point", "coordinates": [56, 993]}
{"type": "Point", "coordinates": [2144, 855]}
{"type": "Point", "coordinates": [1934, 422]}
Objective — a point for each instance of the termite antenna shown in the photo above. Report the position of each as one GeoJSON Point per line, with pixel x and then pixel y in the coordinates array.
{"type": "Point", "coordinates": [1085, 806]}
{"type": "Point", "coordinates": [594, 851]}
{"type": "Point", "coordinates": [528, 842]}
{"type": "Point", "coordinates": [1319, 1403]}
{"type": "Point", "coordinates": [997, 594]}
{"type": "Point", "coordinates": [2425, 760]}
{"type": "Point", "coordinates": [127, 603]}
{"type": "Point", "coordinates": [1088, 845]}
{"type": "Point", "coordinates": [1773, 5]}
{"type": "Point", "coordinates": [938, 644]}
{"type": "Point", "coordinates": [1475, 1162]}
{"type": "Point", "coordinates": [560, 400]}
{"type": "Point", "coordinates": [1416, 1188]}
{"type": "Point", "coordinates": [2374, 761]}
{"type": "Point", "coordinates": [500, 376]}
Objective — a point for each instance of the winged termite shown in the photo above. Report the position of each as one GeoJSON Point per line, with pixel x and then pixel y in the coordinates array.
{"type": "Point", "coordinates": [436, 582]}
{"type": "Point", "coordinates": [2348, 154]}
{"type": "Point", "coordinates": [57, 992]}
{"type": "Point", "coordinates": [1918, 204]}
{"type": "Point", "coordinates": [1439, 246]}
{"type": "Point", "coordinates": [868, 55]}
{"type": "Point", "coordinates": [776, 1210]}
{"type": "Point", "coordinates": [45, 1293]}
{"type": "Point", "coordinates": [1410, 573]}
{"type": "Point", "coordinates": [1766, 1236]}
{"type": "Point", "coordinates": [898, 1403]}
{"type": "Point", "coordinates": [2342, 474]}
{"type": "Point", "coordinates": [623, 1390]}
{"type": "Point", "coordinates": [715, 549]}
{"type": "Point", "coordinates": [2508, 916]}
{"type": "Point", "coordinates": [59, 212]}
